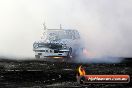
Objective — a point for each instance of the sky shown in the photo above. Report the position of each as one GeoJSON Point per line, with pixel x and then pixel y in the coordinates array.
{"type": "Point", "coordinates": [104, 25]}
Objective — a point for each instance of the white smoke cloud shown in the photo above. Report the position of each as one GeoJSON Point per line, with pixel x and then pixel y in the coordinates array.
{"type": "Point", "coordinates": [105, 25]}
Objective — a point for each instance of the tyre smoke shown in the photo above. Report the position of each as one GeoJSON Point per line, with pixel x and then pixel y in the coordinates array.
{"type": "Point", "coordinates": [104, 25]}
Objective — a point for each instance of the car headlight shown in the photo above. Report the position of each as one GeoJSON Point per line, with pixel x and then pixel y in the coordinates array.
{"type": "Point", "coordinates": [35, 45]}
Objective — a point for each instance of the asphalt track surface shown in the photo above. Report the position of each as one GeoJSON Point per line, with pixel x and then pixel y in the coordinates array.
{"type": "Point", "coordinates": [41, 74]}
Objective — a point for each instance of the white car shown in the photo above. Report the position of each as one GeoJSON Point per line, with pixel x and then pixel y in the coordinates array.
{"type": "Point", "coordinates": [57, 43]}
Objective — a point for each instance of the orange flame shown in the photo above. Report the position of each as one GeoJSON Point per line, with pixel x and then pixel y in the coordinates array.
{"type": "Point", "coordinates": [81, 71]}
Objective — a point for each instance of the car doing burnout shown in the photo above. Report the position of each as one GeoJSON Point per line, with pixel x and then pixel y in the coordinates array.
{"type": "Point", "coordinates": [58, 43]}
